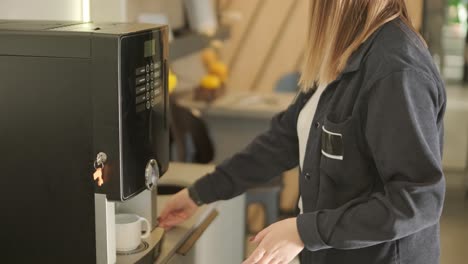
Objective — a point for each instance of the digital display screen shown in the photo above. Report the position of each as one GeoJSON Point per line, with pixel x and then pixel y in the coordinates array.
{"type": "Point", "coordinates": [150, 48]}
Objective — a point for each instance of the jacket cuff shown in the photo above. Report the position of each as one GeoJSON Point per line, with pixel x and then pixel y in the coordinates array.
{"type": "Point", "coordinates": [308, 231]}
{"type": "Point", "coordinates": [205, 190]}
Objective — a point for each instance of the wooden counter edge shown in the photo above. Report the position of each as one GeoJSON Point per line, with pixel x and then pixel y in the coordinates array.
{"type": "Point", "coordinates": [193, 238]}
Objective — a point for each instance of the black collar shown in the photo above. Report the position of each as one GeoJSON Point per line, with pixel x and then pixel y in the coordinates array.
{"type": "Point", "coordinates": [356, 59]}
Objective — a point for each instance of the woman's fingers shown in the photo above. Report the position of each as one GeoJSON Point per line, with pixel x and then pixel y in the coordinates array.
{"type": "Point", "coordinates": [181, 214]}
{"type": "Point", "coordinates": [168, 209]}
{"type": "Point", "coordinates": [170, 213]}
{"type": "Point", "coordinates": [279, 243]}
{"type": "Point", "coordinates": [266, 259]}
{"type": "Point", "coordinates": [171, 220]}
{"type": "Point", "coordinates": [177, 203]}
{"type": "Point", "coordinates": [256, 256]}
{"type": "Point", "coordinates": [260, 236]}
{"type": "Point", "coordinates": [275, 261]}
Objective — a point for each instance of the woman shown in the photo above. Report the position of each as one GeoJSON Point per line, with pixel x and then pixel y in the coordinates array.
{"type": "Point", "coordinates": [367, 138]}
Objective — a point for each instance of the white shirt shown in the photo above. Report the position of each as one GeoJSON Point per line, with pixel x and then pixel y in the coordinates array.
{"type": "Point", "coordinates": [304, 122]}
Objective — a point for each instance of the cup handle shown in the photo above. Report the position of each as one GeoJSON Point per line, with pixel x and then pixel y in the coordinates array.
{"type": "Point", "coordinates": [148, 228]}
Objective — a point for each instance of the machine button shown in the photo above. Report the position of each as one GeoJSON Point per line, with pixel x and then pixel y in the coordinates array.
{"type": "Point", "coordinates": [156, 92]}
{"type": "Point", "coordinates": [140, 108]}
{"type": "Point", "coordinates": [157, 83]}
{"type": "Point", "coordinates": [152, 85]}
{"type": "Point", "coordinates": [140, 71]}
{"type": "Point", "coordinates": [148, 105]}
{"type": "Point", "coordinates": [141, 89]}
{"type": "Point", "coordinates": [140, 80]}
{"type": "Point", "coordinates": [147, 77]}
{"type": "Point", "coordinates": [147, 68]}
{"type": "Point", "coordinates": [147, 95]}
{"type": "Point", "coordinates": [141, 99]}
{"type": "Point", "coordinates": [147, 87]}
{"type": "Point", "coordinates": [157, 65]}
{"type": "Point", "coordinates": [152, 66]}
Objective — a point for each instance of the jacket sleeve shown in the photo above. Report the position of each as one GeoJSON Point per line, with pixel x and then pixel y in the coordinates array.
{"type": "Point", "coordinates": [403, 132]}
{"type": "Point", "coordinates": [267, 156]}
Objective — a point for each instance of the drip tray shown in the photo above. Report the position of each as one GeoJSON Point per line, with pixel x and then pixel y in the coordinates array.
{"type": "Point", "coordinates": [142, 247]}
{"type": "Point", "coordinates": [146, 253]}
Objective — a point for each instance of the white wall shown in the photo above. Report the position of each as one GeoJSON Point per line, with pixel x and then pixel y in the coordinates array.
{"type": "Point", "coordinates": [41, 9]}
{"type": "Point", "coordinates": [108, 10]}
{"type": "Point", "coordinates": [130, 10]}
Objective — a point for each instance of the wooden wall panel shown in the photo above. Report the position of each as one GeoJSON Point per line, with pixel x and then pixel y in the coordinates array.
{"type": "Point", "coordinates": [287, 54]}
{"type": "Point", "coordinates": [239, 29]}
{"type": "Point", "coordinates": [269, 40]}
{"type": "Point", "coordinates": [224, 4]}
{"type": "Point", "coordinates": [415, 10]}
{"type": "Point", "coordinates": [255, 47]}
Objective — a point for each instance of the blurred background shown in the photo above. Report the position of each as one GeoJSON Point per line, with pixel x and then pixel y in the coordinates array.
{"type": "Point", "coordinates": [235, 63]}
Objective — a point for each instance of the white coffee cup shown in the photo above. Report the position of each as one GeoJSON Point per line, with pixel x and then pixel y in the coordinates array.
{"type": "Point", "coordinates": [128, 231]}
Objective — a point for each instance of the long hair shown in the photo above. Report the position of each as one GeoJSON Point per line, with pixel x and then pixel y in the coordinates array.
{"type": "Point", "coordinates": [338, 28]}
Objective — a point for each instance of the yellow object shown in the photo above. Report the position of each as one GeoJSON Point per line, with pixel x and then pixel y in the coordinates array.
{"type": "Point", "coordinates": [209, 56]}
{"type": "Point", "coordinates": [210, 82]}
{"type": "Point", "coordinates": [219, 69]}
{"type": "Point", "coordinates": [172, 82]}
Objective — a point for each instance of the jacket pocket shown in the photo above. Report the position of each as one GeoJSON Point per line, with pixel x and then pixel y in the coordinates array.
{"type": "Point", "coordinates": [332, 144]}
{"type": "Point", "coordinates": [342, 161]}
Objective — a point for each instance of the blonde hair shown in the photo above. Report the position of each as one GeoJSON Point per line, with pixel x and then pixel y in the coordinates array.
{"type": "Point", "coordinates": [337, 29]}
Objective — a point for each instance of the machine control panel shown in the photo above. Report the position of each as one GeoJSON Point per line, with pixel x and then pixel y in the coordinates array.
{"type": "Point", "coordinates": [149, 85]}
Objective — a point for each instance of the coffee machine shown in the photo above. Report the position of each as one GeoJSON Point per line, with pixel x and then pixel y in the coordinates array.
{"type": "Point", "coordinates": [76, 98]}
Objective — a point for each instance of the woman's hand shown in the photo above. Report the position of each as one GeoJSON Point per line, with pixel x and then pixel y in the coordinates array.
{"type": "Point", "coordinates": [280, 243]}
{"type": "Point", "coordinates": [179, 208]}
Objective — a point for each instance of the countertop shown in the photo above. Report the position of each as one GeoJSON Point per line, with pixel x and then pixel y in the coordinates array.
{"type": "Point", "coordinates": [241, 103]}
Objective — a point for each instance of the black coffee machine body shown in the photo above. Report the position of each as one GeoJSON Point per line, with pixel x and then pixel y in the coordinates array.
{"type": "Point", "coordinates": [76, 97]}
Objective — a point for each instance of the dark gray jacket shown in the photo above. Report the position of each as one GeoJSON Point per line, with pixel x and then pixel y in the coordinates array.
{"type": "Point", "coordinates": [372, 181]}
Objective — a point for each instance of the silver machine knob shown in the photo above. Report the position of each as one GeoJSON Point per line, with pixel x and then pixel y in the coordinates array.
{"type": "Point", "coordinates": [151, 174]}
